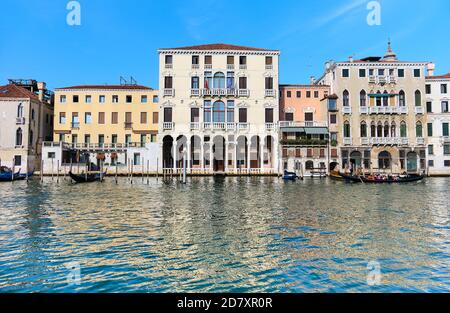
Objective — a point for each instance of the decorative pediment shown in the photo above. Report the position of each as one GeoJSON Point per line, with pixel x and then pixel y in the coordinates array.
{"type": "Point", "coordinates": [269, 105]}
{"type": "Point", "coordinates": [309, 110]}
{"type": "Point", "coordinates": [167, 103]}
{"type": "Point", "coordinates": [194, 104]}
{"type": "Point", "coordinates": [168, 73]}
{"type": "Point", "coordinates": [241, 74]}
{"type": "Point", "coordinates": [289, 110]}
{"type": "Point", "coordinates": [242, 104]}
{"type": "Point", "coordinates": [268, 74]}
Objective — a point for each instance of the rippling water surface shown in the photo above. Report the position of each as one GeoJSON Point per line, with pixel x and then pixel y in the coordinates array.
{"type": "Point", "coordinates": [224, 235]}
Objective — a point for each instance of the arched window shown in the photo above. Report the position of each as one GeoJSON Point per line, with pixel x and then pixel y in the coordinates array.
{"type": "Point", "coordinates": [345, 98]}
{"type": "Point", "coordinates": [20, 110]}
{"type": "Point", "coordinates": [362, 98]}
{"type": "Point", "coordinates": [403, 132]}
{"type": "Point", "coordinates": [419, 130]}
{"type": "Point", "coordinates": [386, 129]}
{"type": "Point", "coordinates": [19, 137]}
{"type": "Point", "coordinates": [401, 98]}
{"type": "Point", "coordinates": [385, 99]}
{"type": "Point", "coordinates": [219, 112]}
{"type": "Point", "coordinates": [363, 129]}
{"type": "Point", "coordinates": [418, 98]}
{"type": "Point", "coordinates": [393, 130]}
{"type": "Point", "coordinates": [347, 129]}
{"type": "Point", "coordinates": [378, 102]}
{"type": "Point", "coordinates": [384, 160]}
{"type": "Point", "coordinates": [373, 130]}
{"type": "Point", "coordinates": [379, 130]}
{"type": "Point", "coordinates": [219, 80]}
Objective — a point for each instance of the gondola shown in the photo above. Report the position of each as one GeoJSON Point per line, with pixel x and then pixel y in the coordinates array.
{"type": "Point", "coordinates": [24, 176]}
{"type": "Point", "coordinates": [336, 175]}
{"type": "Point", "coordinates": [87, 178]}
{"type": "Point", "coordinates": [7, 175]}
{"type": "Point", "coordinates": [289, 175]}
{"type": "Point", "coordinates": [388, 179]}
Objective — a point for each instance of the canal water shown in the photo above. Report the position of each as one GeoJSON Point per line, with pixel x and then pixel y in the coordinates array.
{"type": "Point", "coordinates": [247, 234]}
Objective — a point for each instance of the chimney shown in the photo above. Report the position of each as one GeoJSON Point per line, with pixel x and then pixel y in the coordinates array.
{"type": "Point", "coordinates": [350, 59]}
{"type": "Point", "coordinates": [430, 68]}
{"type": "Point", "coordinates": [312, 80]}
{"type": "Point", "coordinates": [41, 88]}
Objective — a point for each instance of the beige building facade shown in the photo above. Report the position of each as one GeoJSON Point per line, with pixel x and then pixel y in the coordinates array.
{"type": "Point", "coordinates": [378, 105]}
{"type": "Point", "coordinates": [219, 109]}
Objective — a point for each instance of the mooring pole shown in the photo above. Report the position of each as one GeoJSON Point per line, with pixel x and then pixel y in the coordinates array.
{"type": "Point", "coordinates": [57, 173]}
{"type": "Point", "coordinates": [13, 169]}
{"type": "Point", "coordinates": [148, 171]}
{"type": "Point", "coordinates": [42, 171]}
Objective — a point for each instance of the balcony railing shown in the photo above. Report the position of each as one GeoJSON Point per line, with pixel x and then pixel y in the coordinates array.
{"type": "Point", "coordinates": [269, 66]}
{"type": "Point", "coordinates": [388, 110]}
{"type": "Point", "coordinates": [270, 126]}
{"type": "Point", "coordinates": [231, 126]}
{"type": "Point", "coordinates": [382, 79]}
{"type": "Point", "coordinates": [195, 126]}
{"type": "Point", "coordinates": [168, 66]}
{"type": "Point", "coordinates": [372, 79]}
{"type": "Point", "coordinates": [230, 66]}
{"type": "Point", "coordinates": [219, 92]}
{"type": "Point", "coordinates": [347, 110]}
{"type": "Point", "coordinates": [420, 141]}
{"type": "Point", "coordinates": [243, 93]}
{"type": "Point", "coordinates": [169, 92]}
{"type": "Point", "coordinates": [418, 110]}
{"type": "Point", "coordinates": [270, 92]}
{"type": "Point", "coordinates": [20, 120]}
{"type": "Point", "coordinates": [389, 141]}
{"type": "Point", "coordinates": [242, 126]}
{"type": "Point", "coordinates": [365, 141]}
{"type": "Point", "coordinates": [445, 139]}
{"type": "Point", "coordinates": [363, 110]}
{"type": "Point", "coordinates": [208, 66]}
{"type": "Point", "coordinates": [347, 141]}
{"type": "Point", "coordinates": [168, 125]}
{"type": "Point", "coordinates": [219, 126]}
{"type": "Point", "coordinates": [195, 92]}
{"type": "Point", "coordinates": [242, 66]}
{"type": "Point", "coordinates": [302, 124]}
{"type": "Point", "coordinates": [128, 125]}
{"type": "Point", "coordinates": [195, 66]}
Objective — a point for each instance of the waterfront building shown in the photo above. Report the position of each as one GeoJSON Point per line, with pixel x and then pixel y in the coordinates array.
{"type": "Point", "coordinates": [379, 106]}
{"type": "Point", "coordinates": [26, 119]}
{"type": "Point", "coordinates": [438, 121]}
{"type": "Point", "coordinates": [304, 128]}
{"type": "Point", "coordinates": [108, 124]}
{"type": "Point", "coordinates": [219, 109]}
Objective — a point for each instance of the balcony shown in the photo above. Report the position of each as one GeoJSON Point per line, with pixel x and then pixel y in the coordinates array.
{"type": "Point", "coordinates": [392, 79]}
{"type": "Point", "coordinates": [243, 93]}
{"type": "Point", "coordinates": [128, 125]}
{"type": "Point", "coordinates": [388, 110]}
{"type": "Point", "coordinates": [418, 110]}
{"type": "Point", "coordinates": [372, 79]}
{"type": "Point", "coordinates": [75, 125]}
{"type": "Point", "coordinates": [363, 110]}
{"type": "Point", "coordinates": [347, 141]}
{"type": "Point", "coordinates": [269, 67]}
{"type": "Point", "coordinates": [420, 141]}
{"type": "Point", "coordinates": [195, 66]}
{"type": "Point", "coordinates": [242, 126]}
{"type": "Point", "coordinates": [230, 66]}
{"type": "Point", "coordinates": [347, 110]}
{"type": "Point", "coordinates": [195, 92]}
{"type": "Point", "coordinates": [242, 66]}
{"type": "Point", "coordinates": [445, 139]}
{"type": "Point", "coordinates": [195, 126]}
{"type": "Point", "coordinates": [208, 66]}
{"type": "Point", "coordinates": [168, 66]}
{"type": "Point", "coordinates": [231, 126]}
{"type": "Point", "coordinates": [168, 92]}
{"type": "Point", "coordinates": [20, 120]}
{"type": "Point", "coordinates": [284, 124]}
{"type": "Point", "coordinates": [270, 126]}
{"type": "Point", "coordinates": [168, 125]}
{"type": "Point", "coordinates": [365, 141]}
{"type": "Point", "coordinates": [219, 126]}
{"type": "Point", "coordinates": [385, 141]}
{"type": "Point", "coordinates": [270, 93]}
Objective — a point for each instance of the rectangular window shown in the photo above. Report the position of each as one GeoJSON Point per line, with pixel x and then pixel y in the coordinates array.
{"type": "Point", "coordinates": [155, 99]}
{"type": "Point", "coordinates": [128, 139]}
{"type": "Point", "coordinates": [143, 117]}
{"type": "Point", "coordinates": [62, 99]}
{"type": "Point", "coordinates": [269, 60]}
{"type": "Point", "coordinates": [144, 99]}
{"type": "Point", "coordinates": [101, 99]}
{"type": "Point", "coordinates": [62, 117]}
{"type": "Point", "coordinates": [345, 72]}
{"type": "Point", "coordinates": [101, 117]}
{"type": "Point", "coordinates": [208, 60]}
{"type": "Point", "coordinates": [115, 99]}
{"type": "Point", "coordinates": [380, 72]}
{"type": "Point", "coordinates": [430, 129]}
{"type": "Point", "coordinates": [242, 82]}
{"type": "Point", "coordinates": [430, 149]}
{"type": "Point", "coordinates": [269, 115]}
{"type": "Point", "coordinates": [101, 139]}
{"type": "Point", "coordinates": [362, 72]}
{"type": "Point", "coordinates": [316, 94]}
{"type": "Point", "coordinates": [143, 139]}
{"type": "Point", "coordinates": [309, 117]}
{"type": "Point", "coordinates": [417, 72]}
{"type": "Point", "coordinates": [167, 115]}
{"type": "Point", "coordinates": [168, 82]}
{"type": "Point", "coordinates": [427, 89]}
{"type": "Point", "coordinates": [195, 82]}
{"type": "Point", "coordinates": [430, 163]}
{"type": "Point", "coordinates": [446, 163]}
{"type": "Point", "coordinates": [88, 99]}
{"type": "Point", "coordinates": [332, 118]}
{"type": "Point", "coordinates": [242, 60]}
{"type": "Point", "coordinates": [401, 72]}
{"type": "Point", "coordinates": [152, 138]}
{"type": "Point", "coordinates": [195, 60]}
{"type": "Point", "coordinates": [87, 118]}
{"type": "Point", "coordinates": [308, 94]}
{"type": "Point", "coordinates": [230, 111]}
{"type": "Point", "coordinates": [114, 118]}
{"type": "Point", "coordinates": [429, 107]}
{"type": "Point", "coordinates": [155, 117]}
{"type": "Point", "coordinates": [74, 138]}
{"type": "Point", "coordinates": [288, 94]}
{"type": "Point", "coordinates": [444, 106]}
{"type": "Point", "coordinates": [299, 94]}
{"type": "Point", "coordinates": [75, 99]}
{"type": "Point", "coordinates": [129, 99]}
{"type": "Point", "coordinates": [269, 83]}
{"type": "Point", "coordinates": [289, 117]}
{"type": "Point", "coordinates": [168, 60]}
{"type": "Point", "coordinates": [128, 118]}
{"type": "Point", "coordinates": [444, 129]}
{"type": "Point", "coordinates": [51, 155]}
{"type": "Point", "coordinates": [230, 60]}
{"type": "Point", "coordinates": [195, 115]}
{"type": "Point", "coordinates": [444, 88]}
{"type": "Point", "coordinates": [446, 149]}
{"type": "Point", "coordinates": [17, 160]}
{"type": "Point", "coordinates": [137, 159]}
{"type": "Point", "coordinates": [87, 139]}
{"type": "Point", "coordinates": [114, 138]}
{"type": "Point", "coordinates": [242, 115]}
{"type": "Point", "coordinates": [207, 111]}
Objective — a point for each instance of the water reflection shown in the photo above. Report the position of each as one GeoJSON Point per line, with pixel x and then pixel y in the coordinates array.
{"type": "Point", "coordinates": [226, 235]}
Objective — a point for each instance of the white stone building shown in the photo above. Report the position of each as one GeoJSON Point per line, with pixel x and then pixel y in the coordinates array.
{"type": "Point", "coordinates": [438, 121]}
{"type": "Point", "coordinates": [219, 109]}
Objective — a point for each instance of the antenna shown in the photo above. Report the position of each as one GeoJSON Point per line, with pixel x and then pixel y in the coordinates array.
{"type": "Point", "coordinates": [133, 81]}
{"type": "Point", "coordinates": [123, 81]}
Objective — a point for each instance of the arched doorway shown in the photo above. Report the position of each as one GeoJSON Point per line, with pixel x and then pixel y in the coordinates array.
{"type": "Point", "coordinates": [255, 153]}
{"type": "Point", "coordinates": [411, 162]}
{"type": "Point", "coordinates": [180, 151]}
{"type": "Point", "coordinates": [356, 158]}
{"type": "Point", "coordinates": [196, 151]}
{"type": "Point", "coordinates": [384, 160]}
{"type": "Point", "coordinates": [167, 156]}
{"type": "Point", "coordinates": [241, 154]}
{"type": "Point", "coordinates": [219, 154]}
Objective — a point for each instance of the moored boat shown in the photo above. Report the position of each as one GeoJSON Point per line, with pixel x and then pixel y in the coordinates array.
{"type": "Point", "coordinates": [289, 175]}
{"type": "Point", "coordinates": [380, 179]}
{"type": "Point", "coordinates": [6, 174]}
{"type": "Point", "coordinates": [87, 177]}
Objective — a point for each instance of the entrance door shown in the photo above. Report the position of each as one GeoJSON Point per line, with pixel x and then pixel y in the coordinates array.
{"type": "Point", "coordinates": [219, 155]}
{"type": "Point", "coordinates": [411, 164]}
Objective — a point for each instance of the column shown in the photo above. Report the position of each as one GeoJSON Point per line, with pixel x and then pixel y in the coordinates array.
{"type": "Point", "coordinates": [261, 165]}
{"type": "Point", "coordinates": [249, 144]}
{"type": "Point", "coordinates": [202, 156]}
{"type": "Point", "coordinates": [174, 155]}
{"type": "Point", "coordinates": [211, 169]}
{"type": "Point", "coordinates": [226, 155]}
{"type": "Point", "coordinates": [189, 155]}
{"type": "Point", "coordinates": [235, 156]}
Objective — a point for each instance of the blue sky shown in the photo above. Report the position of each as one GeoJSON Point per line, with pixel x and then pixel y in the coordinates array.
{"type": "Point", "coordinates": [120, 38]}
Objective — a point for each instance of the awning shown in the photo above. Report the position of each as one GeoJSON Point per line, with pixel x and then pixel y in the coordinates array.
{"type": "Point", "coordinates": [293, 129]}
{"type": "Point", "coordinates": [316, 130]}
{"type": "Point", "coordinates": [382, 95]}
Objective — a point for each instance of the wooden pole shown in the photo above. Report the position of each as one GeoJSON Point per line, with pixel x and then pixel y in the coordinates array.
{"type": "Point", "coordinates": [52, 169]}
{"type": "Point", "coordinates": [148, 171]}
{"type": "Point", "coordinates": [143, 169]}
{"type": "Point", "coordinates": [13, 169]}
{"type": "Point", "coordinates": [116, 173]}
{"type": "Point", "coordinates": [157, 168]}
{"type": "Point", "coordinates": [42, 171]}
{"type": "Point", "coordinates": [57, 173]}
{"type": "Point", "coordinates": [131, 171]}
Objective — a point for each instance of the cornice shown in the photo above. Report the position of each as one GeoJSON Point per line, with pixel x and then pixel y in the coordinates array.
{"type": "Point", "coordinates": [218, 52]}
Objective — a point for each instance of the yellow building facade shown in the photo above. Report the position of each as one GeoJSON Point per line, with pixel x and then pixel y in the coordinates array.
{"type": "Point", "coordinates": [106, 115]}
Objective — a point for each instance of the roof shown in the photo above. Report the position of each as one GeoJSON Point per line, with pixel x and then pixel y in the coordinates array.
{"type": "Point", "coordinates": [218, 46]}
{"type": "Point", "coordinates": [107, 87]}
{"type": "Point", "coordinates": [14, 91]}
{"type": "Point", "coordinates": [303, 86]}
{"type": "Point", "coordinates": [439, 76]}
